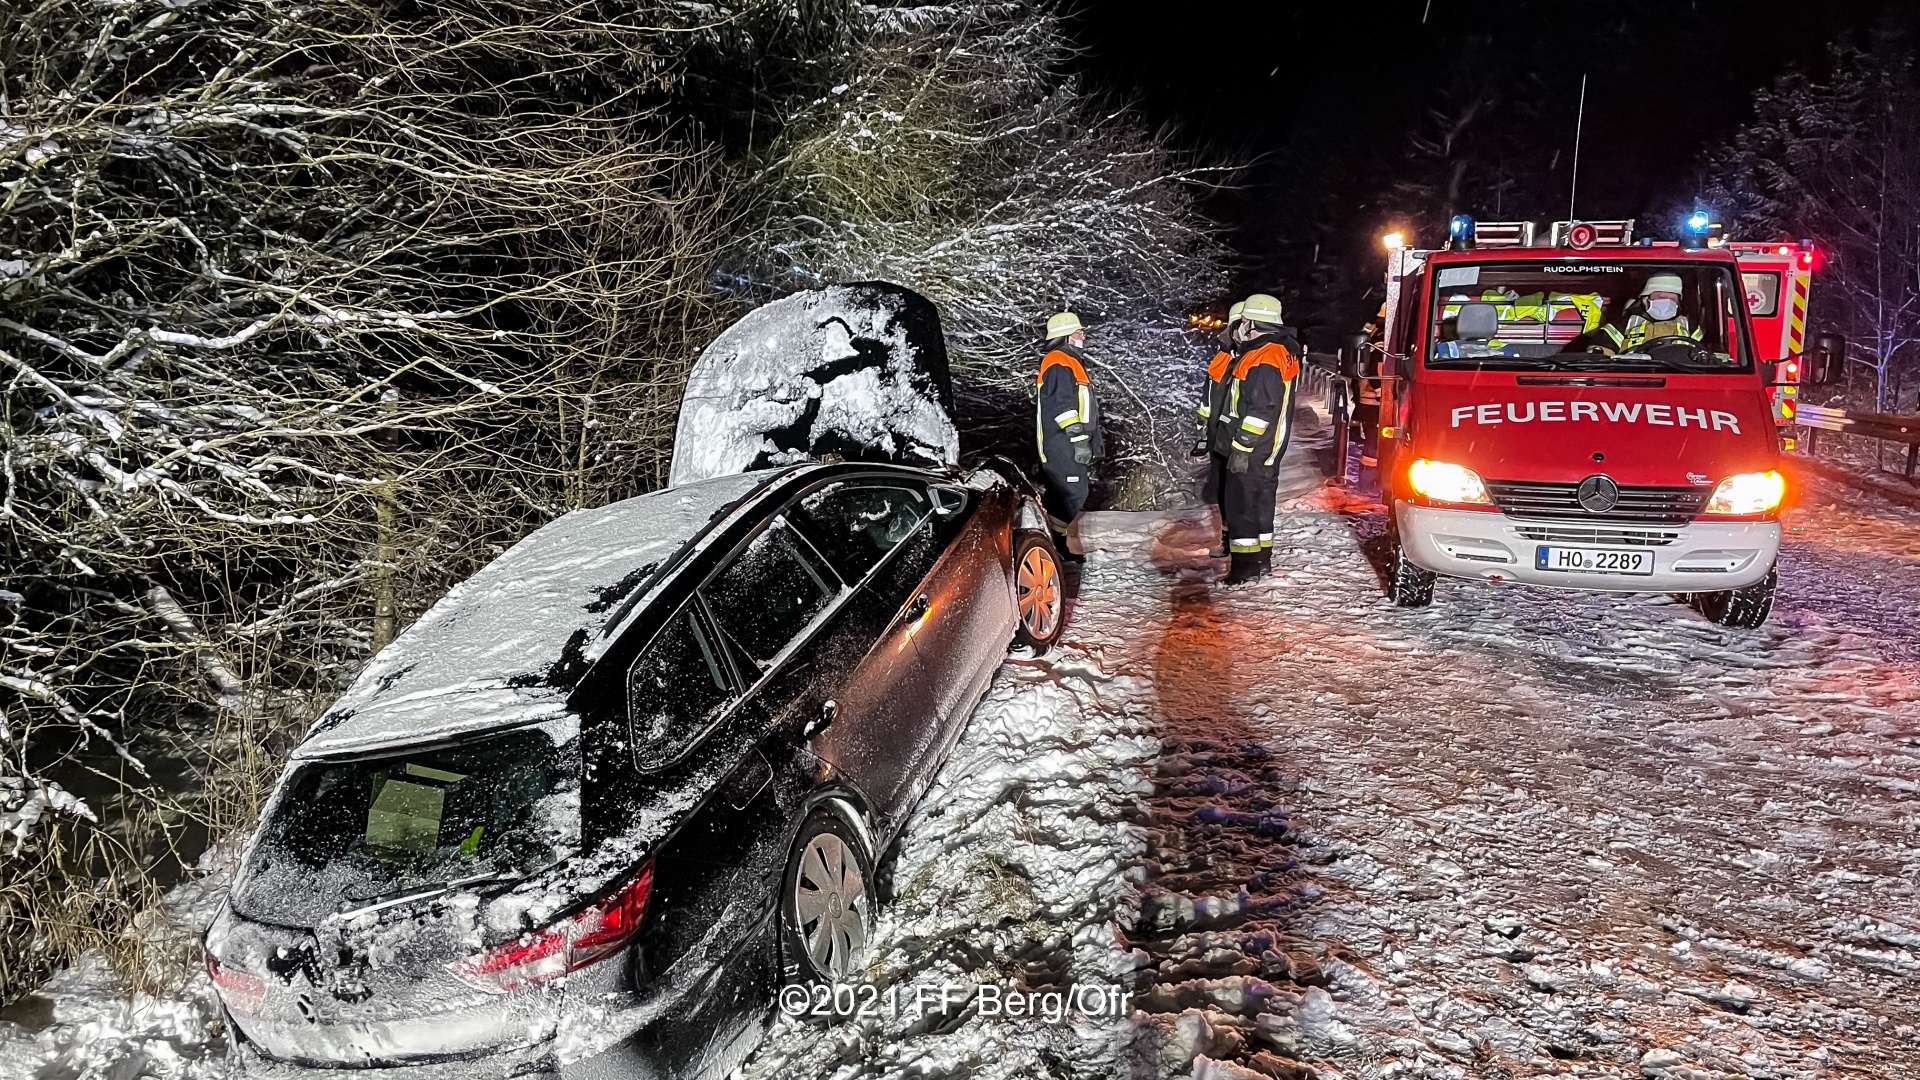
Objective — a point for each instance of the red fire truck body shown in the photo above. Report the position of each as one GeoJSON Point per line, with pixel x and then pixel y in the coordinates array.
{"type": "Point", "coordinates": [1592, 417]}
{"type": "Point", "coordinates": [1778, 279]}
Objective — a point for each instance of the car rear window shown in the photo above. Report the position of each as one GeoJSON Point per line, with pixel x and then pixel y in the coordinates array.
{"type": "Point", "coordinates": [349, 834]}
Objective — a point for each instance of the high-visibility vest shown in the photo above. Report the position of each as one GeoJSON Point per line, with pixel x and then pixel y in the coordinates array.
{"type": "Point", "coordinates": [1640, 330]}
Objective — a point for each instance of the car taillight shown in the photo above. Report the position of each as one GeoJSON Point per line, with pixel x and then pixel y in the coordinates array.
{"type": "Point", "coordinates": [568, 945]}
{"type": "Point", "coordinates": [241, 992]}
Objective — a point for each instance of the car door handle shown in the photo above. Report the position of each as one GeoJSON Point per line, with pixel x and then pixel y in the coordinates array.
{"type": "Point", "coordinates": [828, 710]}
{"type": "Point", "coordinates": [917, 609]}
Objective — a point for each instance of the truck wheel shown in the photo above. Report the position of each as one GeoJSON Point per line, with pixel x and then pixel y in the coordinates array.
{"type": "Point", "coordinates": [1040, 591]}
{"type": "Point", "coordinates": [1743, 609]}
{"type": "Point", "coordinates": [1407, 584]}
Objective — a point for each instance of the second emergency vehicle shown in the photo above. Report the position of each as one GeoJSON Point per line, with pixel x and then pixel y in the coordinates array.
{"type": "Point", "coordinates": [1582, 412]}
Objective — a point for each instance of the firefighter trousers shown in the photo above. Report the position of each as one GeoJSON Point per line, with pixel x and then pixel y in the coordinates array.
{"type": "Point", "coordinates": [1213, 490]}
{"type": "Point", "coordinates": [1068, 484]}
{"type": "Point", "coordinates": [1246, 507]}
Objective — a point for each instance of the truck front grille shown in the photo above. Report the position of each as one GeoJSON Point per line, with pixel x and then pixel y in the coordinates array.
{"type": "Point", "coordinates": [1549, 534]}
{"type": "Point", "coordinates": [1528, 500]}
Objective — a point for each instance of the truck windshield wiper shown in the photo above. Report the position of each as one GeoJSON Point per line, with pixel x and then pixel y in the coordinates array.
{"type": "Point", "coordinates": [1657, 361]}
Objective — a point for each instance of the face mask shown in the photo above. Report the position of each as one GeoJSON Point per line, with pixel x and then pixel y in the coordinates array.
{"type": "Point", "coordinates": [1662, 310]}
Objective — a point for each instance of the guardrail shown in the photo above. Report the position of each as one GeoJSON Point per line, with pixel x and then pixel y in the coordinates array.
{"type": "Point", "coordinates": [1886, 427]}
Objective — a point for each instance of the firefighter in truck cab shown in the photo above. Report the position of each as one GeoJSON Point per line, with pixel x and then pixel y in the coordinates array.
{"type": "Point", "coordinates": [1656, 317]}
{"type": "Point", "coordinates": [1250, 432]}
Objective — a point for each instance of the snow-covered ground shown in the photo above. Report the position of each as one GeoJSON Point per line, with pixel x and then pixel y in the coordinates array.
{"type": "Point", "coordinates": [1512, 835]}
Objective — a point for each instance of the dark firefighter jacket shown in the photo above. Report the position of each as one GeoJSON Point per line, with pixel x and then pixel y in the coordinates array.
{"type": "Point", "coordinates": [1213, 396]}
{"type": "Point", "coordinates": [1259, 398]}
{"type": "Point", "coordinates": [1067, 412]}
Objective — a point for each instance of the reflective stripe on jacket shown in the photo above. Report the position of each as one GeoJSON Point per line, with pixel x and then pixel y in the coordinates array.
{"type": "Point", "coordinates": [1641, 330]}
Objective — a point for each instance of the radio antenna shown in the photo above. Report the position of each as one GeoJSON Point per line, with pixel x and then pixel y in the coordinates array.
{"type": "Point", "coordinates": [1579, 119]}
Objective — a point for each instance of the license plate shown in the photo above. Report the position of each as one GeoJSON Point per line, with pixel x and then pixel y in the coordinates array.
{"type": "Point", "coordinates": [1585, 560]}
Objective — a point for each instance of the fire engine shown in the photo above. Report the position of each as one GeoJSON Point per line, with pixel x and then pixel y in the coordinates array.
{"type": "Point", "coordinates": [1574, 408]}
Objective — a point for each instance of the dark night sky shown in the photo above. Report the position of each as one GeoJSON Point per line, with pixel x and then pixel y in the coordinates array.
{"type": "Point", "coordinates": [1321, 97]}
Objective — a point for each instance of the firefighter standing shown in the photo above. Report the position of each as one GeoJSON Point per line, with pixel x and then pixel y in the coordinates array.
{"type": "Point", "coordinates": [1213, 396]}
{"type": "Point", "coordinates": [1366, 409]}
{"type": "Point", "coordinates": [1251, 433]}
{"type": "Point", "coordinates": [1067, 422]}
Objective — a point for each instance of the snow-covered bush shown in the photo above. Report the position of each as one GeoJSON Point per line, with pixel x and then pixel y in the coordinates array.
{"type": "Point", "coordinates": [1836, 158]}
{"type": "Point", "coordinates": [954, 157]}
{"type": "Point", "coordinates": [306, 309]}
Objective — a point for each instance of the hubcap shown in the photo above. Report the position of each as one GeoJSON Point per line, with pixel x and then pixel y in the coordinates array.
{"type": "Point", "coordinates": [831, 899]}
{"type": "Point", "coordinates": [1038, 579]}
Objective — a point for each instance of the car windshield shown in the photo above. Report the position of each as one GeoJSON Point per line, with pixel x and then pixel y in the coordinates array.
{"type": "Point", "coordinates": [1588, 315]}
{"type": "Point", "coordinates": [350, 834]}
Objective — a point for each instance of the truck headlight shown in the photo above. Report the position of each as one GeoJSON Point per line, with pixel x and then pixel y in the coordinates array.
{"type": "Point", "coordinates": [1748, 493]}
{"type": "Point", "coordinates": [1442, 482]}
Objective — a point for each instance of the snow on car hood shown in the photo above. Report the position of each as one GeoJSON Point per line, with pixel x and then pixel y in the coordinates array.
{"type": "Point", "coordinates": [478, 658]}
{"type": "Point", "coordinates": [853, 371]}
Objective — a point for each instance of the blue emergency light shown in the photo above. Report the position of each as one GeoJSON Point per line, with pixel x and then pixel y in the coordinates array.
{"type": "Point", "coordinates": [1460, 233]}
{"type": "Point", "coordinates": [1693, 233]}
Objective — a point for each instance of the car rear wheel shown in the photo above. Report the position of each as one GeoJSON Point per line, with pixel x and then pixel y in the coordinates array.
{"type": "Point", "coordinates": [826, 903]}
{"type": "Point", "coordinates": [1040, 591]}
{"type": "Point", "coordinates": [1744, 609]}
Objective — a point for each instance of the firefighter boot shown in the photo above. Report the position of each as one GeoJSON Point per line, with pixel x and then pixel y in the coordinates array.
{"type": "Point", "coordinates": [1266, 562]}
{"type": "Point", "coordinates": [1244, 567]}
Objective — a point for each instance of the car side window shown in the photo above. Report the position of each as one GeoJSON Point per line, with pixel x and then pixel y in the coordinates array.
{"type": "Point", "coordinates": [769, 593]}
{"type": "Point", "coordinates": [857, 524]}
{"type": "Point", "coordinates": [675, 689]}
{"type": "Point", "coordinates": [899, 579]}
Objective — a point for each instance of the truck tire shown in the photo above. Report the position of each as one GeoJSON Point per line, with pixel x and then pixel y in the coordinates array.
{"type": "Point", "coordinates": [1408, 585]}
{"type": "Point", "coordinates": [1745, 608]}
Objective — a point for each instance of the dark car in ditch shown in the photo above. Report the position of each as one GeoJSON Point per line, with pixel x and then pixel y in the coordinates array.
{"type": "Point", "coordinates": [590, 812]}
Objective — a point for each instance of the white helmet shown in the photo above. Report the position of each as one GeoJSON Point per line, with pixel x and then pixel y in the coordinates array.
{"type": "Point", "coordinates": [1233, 313]}
{"type": "Point", "coordinates": [1261, 308]}
{"type": "Point", "coordinates": [1063, 324]}
{"type": "Point", "coordinates": [1664, 282]}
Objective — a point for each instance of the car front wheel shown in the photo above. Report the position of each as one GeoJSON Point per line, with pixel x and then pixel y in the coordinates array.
{"type": "Point", "coordinates": [1040, 591]}
{"type": "Point", "coordinates": [826, 903]}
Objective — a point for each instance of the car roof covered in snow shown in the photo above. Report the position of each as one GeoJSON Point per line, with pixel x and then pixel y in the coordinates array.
{"type": "Point", "coordinates": [480, 658]}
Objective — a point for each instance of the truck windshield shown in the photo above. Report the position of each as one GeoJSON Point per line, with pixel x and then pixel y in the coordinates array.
{"type": "Point", "coordinates": [1588, 315]}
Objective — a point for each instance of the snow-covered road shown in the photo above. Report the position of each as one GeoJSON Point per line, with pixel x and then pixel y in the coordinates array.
{"type": "Point", "coordinates": [1564, 833]}
{"type": "Point", "coordinates": [1515, 834]}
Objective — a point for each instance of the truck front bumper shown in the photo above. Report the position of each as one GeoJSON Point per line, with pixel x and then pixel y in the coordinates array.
{"type": "Point", "coordinates": [1703, 556]}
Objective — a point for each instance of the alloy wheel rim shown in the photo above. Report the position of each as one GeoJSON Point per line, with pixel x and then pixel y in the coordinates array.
{"type": "Point", "coordinates": [830, 898]}
{"type": "Point", "coordinates": [1039, 588]}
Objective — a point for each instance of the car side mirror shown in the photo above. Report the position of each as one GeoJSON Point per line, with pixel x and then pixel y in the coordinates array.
{"type": "Point", "coordinates": [821, 722]}
{"type": "Point", "coordinates": [948, 501]}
